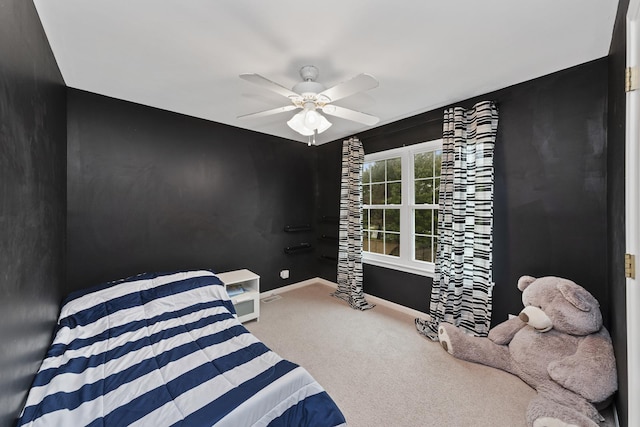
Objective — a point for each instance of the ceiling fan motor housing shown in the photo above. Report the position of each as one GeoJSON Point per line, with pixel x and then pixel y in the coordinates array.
{"type": "Point", "coordinates": [309, 86]}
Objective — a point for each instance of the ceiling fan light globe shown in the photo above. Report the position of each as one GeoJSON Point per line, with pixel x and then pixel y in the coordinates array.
{"type": "Point", "coordinates": [297, 123]}
{"type": "Point", "coordinates": [312, 119]}
{"type": "Point", "coordinates": [324, 124]}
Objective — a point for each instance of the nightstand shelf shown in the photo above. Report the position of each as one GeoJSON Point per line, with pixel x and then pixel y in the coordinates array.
{"type": "Point", "coordinates": [247, 303]}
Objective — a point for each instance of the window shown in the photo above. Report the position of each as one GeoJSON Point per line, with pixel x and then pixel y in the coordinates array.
{"type": "Point", "coordinates": [400, 207]}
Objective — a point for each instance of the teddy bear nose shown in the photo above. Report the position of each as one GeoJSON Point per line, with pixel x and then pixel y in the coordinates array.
{"type": "Point", "coordinates": [524, 317]}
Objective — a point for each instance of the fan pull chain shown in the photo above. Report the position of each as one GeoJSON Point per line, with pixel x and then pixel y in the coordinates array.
{"type": "Point", "coordinates": [315, 132]}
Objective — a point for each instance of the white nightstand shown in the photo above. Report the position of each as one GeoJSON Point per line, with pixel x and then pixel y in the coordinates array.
{"type": "Point", "coordinates": [247, 304]}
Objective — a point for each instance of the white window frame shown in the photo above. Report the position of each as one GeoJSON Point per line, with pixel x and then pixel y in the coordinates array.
{"type": "Point", "coordinates": [405, 262]}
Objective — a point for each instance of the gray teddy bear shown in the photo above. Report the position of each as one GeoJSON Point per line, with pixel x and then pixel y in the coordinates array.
{"type": "Point", "coordinates": [557, 345]}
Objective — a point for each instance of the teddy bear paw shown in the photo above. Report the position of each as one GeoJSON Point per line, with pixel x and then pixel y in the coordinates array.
{"type": "Point", "coordinates": [445, 341]}
{"type": "Point", "coordinates": [551, 422]}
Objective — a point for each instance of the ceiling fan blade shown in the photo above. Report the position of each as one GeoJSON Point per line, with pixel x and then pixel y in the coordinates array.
{"type": "Point", "coordinates": [269, 112]}
{"type": "Point", "coordinates": [268, 84]}
{"type": "Point", "coordinates": [345, 113]}
{"type": "Point", "coordinates": [359, 83]}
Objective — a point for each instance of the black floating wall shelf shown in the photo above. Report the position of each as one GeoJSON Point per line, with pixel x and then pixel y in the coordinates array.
{"type": "Point", "coordinates": [328, 238]}
{"type": "Point", "coordinates": [302, 247]}
{"type": "Point", "coordinates": [297, 228]}
{"type": "Point", "coordinates": [328, 258]}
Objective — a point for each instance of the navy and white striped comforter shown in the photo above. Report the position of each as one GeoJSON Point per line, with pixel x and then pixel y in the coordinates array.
{"type": "Point", "coordinates": [163, 350]}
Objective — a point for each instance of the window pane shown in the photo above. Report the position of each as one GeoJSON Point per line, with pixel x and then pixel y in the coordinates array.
{"type": "Point", "coordinates": [366, 172]}
{"type": "Point", "coordinates": [435, 222]}
{"type": "Point", "coordinates": [392, 244]}
{"type": "Point", "coordinates": [424, 191]}
{"type": "Point", "coordinates": [423, 221]}
{"type": "Point", "coordinates": [394, 193]}
{"type": "Point", "coordinates": [365, 219]}
{"type": "Point", "coordinates": [376, 242]}
{"type": "Point", "coordinates": [377, 194]}
{"type": "Point", "coordinates": [365, 241]}
{"type": "Point", "coordinates": [423, 165]}
{"type": "Point", "coordinates": [394, 169]}
{"type": "Point", "coordinates": [392, 220]}
{"type": "Point", "coordinates": [424, 248]}
{"type": "Point", "coordinates": [377, 171]}
{"type": "Point", "coordinates": [375, 219]}
{"type": "Point", "coordinates": [438, 162]}
{"type": "Point", "coordinates": [366, 194]}
{"type": "Point", "coordinates": [436, 191]}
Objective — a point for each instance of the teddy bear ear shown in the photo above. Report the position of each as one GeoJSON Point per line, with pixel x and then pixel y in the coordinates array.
{"type": "Point", "coordinates": [577, 296]}
{"type": "Point", "coordinates": [525, 281]}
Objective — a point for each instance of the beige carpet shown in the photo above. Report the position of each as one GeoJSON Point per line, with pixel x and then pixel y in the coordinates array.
{"type": "Point", "coordinates": [380, 371]}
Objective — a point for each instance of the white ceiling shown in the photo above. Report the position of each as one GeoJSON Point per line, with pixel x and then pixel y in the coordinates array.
{"type": "Point", "coordinates": [185, 56]}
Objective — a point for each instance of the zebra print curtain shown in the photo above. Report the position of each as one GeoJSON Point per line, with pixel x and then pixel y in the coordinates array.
{"type": "Point", "coordinates": [350, 237]}
{"type": "Point", "coordinates": [463, 283]}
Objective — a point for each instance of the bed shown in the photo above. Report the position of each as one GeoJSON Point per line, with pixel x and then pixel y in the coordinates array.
{"type": "Point", "coordinates": [166, 349]}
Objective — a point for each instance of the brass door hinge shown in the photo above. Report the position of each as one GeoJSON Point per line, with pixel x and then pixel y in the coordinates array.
{"type": "Point", "coordinates": [630, 79]}
{"type": "Point", "coordinates": [629, 266]}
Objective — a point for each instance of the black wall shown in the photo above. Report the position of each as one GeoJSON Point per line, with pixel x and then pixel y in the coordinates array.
{"type": "Point", "coordinates": [616, 208]}
{"type": "Point", "coordinates": [550, 187]}
{"type": "Point", "coordinates": [150, 190]}
{"type": "Point", "coordinates": [32, 199]}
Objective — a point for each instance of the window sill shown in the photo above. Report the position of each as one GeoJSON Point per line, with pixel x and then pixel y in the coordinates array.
{"type": "Point", "coordinates": [393, 264]}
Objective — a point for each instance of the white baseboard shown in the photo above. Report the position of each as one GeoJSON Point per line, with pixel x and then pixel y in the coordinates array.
{"type": "Point", "coordinates": [371, 298]}
{"type": "Point", "coordinates": [291, 287]}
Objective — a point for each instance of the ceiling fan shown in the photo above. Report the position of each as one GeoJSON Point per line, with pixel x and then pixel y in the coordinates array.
{"type": "Point", "coordinates": [311, 96]}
